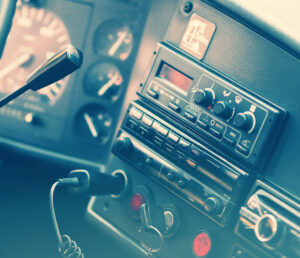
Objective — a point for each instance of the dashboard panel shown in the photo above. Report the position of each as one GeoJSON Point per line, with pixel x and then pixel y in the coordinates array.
{"type": "Point", "coordinates": [195, 102]}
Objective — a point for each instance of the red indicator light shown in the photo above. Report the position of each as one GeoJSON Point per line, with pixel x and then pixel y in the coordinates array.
{"type": "Point", "coordinates": [136, 201]}
{"type": "Point", "coordinates": [201, 244]}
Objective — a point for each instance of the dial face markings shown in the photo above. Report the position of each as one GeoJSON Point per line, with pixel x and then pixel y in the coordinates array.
{"type": "Point", "coordinates": [33, 39]}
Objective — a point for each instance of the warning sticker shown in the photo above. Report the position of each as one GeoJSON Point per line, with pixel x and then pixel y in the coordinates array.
{"type": "Point", "coordinates": [197, 36]}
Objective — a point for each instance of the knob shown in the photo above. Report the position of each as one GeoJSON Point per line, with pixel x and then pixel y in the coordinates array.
{"type": "Point", "coordinates": [123, 144]}
{"type": "Point", "coordinates": [223, 109]}
{"type": "Point", "coordinates": [212, 205]}
{"type": "Point", "coordinates": [244, 121]}
{"type": "Point", "coordinates": [31, 118]}
{"type": "Point", "coordinates": [266, 229]}
{"type": "Point", "coordinates": [204, 97]}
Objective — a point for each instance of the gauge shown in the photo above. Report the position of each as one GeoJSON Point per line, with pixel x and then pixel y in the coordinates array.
{"type": "Point", "coordinates": [36, 35]}
{"type": "Point", "coordinates": [93, 123]}
{"type": "Point", "coordinates": [113, 38]}
{"type": "Point", "coordinates": [104, 80]}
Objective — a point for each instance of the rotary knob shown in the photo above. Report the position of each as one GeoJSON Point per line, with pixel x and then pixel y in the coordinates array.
{"type": "Point", "coordinates": [223, 109]}
{"type": "Point", "coordinates": [267, 229]}
{"type": "Point", "coordinates": [212, 205]}
{"type": "Point", "coordinates": [123, 144]}
{"type": "Point", "coordinates": [244, 121]}
{"type": "Point", "coordinates": [204, 97]}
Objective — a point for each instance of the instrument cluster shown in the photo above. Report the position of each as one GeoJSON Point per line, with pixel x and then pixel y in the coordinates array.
{"type": "Point", "coordinates": [81, 111]}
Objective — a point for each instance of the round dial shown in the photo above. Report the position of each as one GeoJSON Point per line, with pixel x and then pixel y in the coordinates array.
{"type": "Point", "coordinates": [93, 123]}
{"type": "Point", "coordinates": [104, 80]}
{"type": "Point", "coordinates": [35, 36]}
{"type": "Point", "coordinates": [113, 38]}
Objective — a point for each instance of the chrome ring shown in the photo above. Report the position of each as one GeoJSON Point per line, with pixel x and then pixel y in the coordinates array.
{"type": "Point", "coordinates": [119, 171]}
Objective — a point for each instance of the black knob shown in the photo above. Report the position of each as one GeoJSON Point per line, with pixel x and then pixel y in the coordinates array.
{"type": "Point", "coordinates": [223, 109]}
{"type": "Point", "coordinates": [244, 121]}
{"type": "Point", "coordinates": [212, 205]}
{"type": "Point", "coordinates": [123, 144]}
{"type": "Point", "coordinates": [204, 97]}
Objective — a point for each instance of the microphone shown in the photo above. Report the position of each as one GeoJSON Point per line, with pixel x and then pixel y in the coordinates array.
{"type": "Point", "coordinates": [57, 67]}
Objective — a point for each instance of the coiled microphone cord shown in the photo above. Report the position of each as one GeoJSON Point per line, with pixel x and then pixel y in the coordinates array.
{"type": "Point", "coordinates": [66, 246]}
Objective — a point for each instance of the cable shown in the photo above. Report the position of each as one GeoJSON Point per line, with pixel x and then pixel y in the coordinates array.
{"type": "Point", "coordinates": [67, 247]}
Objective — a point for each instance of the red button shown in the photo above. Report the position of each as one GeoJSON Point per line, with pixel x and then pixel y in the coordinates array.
{"type": "Point", "coordinates": [136, 201]}
{"type": "Point", "coordinates": [202, 244]}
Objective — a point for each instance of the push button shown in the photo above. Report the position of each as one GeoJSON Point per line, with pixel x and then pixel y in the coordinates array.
{"type": "Point", "coordinates": [153, 93]}
{"type": "Point", "coordinates": [160, 128]}
{"type": "Point", "coordinates": [174, 107]}
{"type": "Point", "coordinates": [202, 244]}
{"type": "Point", "coordinates": [244, 146]}
{"type": "Point", "coordinates": [184, 145]}
{"type": "Point", "coordinates": [135, 113]}
{"type": "Point", "coordinates": [190, 117]}
{"type": "Point", "coordinates": [173, 137]}
{"type": "Point", "coordinates": [147, 120]}
{"type": "Point", "coordinates": [231, 136]}
{"type": "Point", "coordinates": [196, 152]}
{"type": "Point", "coordinates": [204, 121]}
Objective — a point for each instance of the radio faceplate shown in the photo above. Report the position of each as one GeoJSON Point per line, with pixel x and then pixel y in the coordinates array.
{"type": "Point", "coordinates": [223, 113]}
{"type": "Point", "coordinates": [271, 219]}
{"type": "Point", "coordinates": [179, 163]}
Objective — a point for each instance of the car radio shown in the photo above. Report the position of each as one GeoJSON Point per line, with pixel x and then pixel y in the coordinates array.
{"type": "Point", "coordinates": [211, 107]}
{"type": "Point", "coordinates": [188, 169]}
{"type": "Point", "coordinates": [270, 218]}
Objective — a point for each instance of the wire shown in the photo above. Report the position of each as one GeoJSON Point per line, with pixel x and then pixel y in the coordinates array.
{"type": "Point", "coordinates": [67, 247]}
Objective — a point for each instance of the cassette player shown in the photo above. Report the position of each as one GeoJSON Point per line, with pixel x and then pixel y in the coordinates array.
{"type": "Point", "coordinates": [271, 219]}
{"type": "Point", "coordinates": [179, 163]}
{"type": "Point", "coordinates": [225, 115]}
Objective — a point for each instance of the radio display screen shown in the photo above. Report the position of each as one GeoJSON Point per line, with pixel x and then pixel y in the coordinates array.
{"type": "Point", "coordinates": [177, 79]}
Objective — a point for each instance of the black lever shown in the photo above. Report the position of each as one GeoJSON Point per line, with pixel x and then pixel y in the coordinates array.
{"type": "Point", "coordinates": [57, 67]}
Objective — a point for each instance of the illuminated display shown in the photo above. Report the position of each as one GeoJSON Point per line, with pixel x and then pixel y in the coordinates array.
{"type": "Point", "coordinates": [178, 80]}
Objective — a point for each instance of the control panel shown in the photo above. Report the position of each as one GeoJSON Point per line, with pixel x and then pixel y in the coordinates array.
{"type": "Point", "coordinates": [217, 109]}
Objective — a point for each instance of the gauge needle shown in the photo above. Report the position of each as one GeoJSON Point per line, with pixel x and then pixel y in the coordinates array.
{"type": "Point", "coordinates": [107, 85]}
{"type": "Point", "coordinates": [117, 44]}
{"type": "Point", "coordinates": [15, 64]}
{"type": "Point", "coordinates": [90, 125]}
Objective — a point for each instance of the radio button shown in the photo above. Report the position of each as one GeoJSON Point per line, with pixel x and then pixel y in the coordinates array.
{"type": "Point", "coordinates": [171, 176]}
{"type": "Point", "coordinates": [183, 144]}
{"type": "Point", "coordinates": [191, 163]}
{"type": "Point", "coordinates": [147, 120]}
{"type": "Point", "coordinates": [204, 121]}
{"type": "Point", "coordinates": [212, 205]}
{"type": "Point", "coordinates": [215, 133]}
{"type": "Point", "coordinates": [174, 107]}
{"type": "Point", "coordinates": [153, 93]}
{"type": "Point", "coordinates": [242, 150]}
{"type": "Point", "coordinates": [135, 113]}
{"type": "Point", "coordinates": [160, 128]}
{"type": "Point", "coordinates": [190, 117]}
{"type": "Point", "coordinates": [231, 137]}
{"type": "Point", "coordinates": [173, 137]}
{"type": "Point", "coordinates": [196, 152]}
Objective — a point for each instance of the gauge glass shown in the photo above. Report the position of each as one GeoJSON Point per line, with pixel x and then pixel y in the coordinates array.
{"type": "Point", "coordinates": [104, 80]}
{"type": "Point", "coordinates": [35, 36]}
{"type": "Point", "coordinates": [113, 38]}
{"type": "Point", "coordinates": [93, 123]}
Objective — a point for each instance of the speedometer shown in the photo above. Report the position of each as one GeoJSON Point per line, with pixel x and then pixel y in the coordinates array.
{"type": "Point", "coordinates": [36, 35]}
